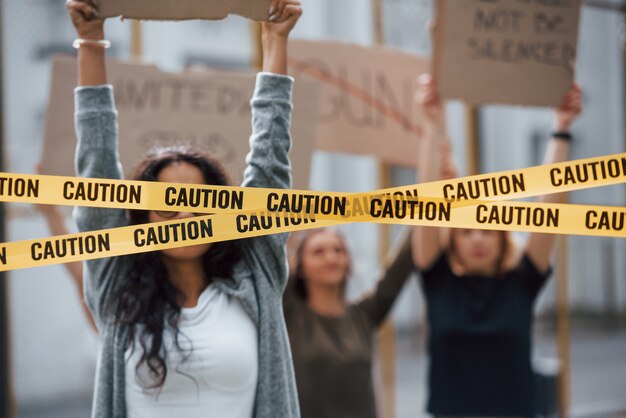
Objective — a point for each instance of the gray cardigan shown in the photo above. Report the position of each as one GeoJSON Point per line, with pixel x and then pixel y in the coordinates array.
{"type": "Point", "coordinates": [258, 279]}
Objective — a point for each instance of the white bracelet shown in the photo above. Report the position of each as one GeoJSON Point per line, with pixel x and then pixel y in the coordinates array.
{"type": "Point", "coordinates": [101, 43]}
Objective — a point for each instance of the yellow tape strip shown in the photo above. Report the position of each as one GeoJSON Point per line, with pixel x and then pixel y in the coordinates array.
{"type": "Point", "coordinates": [510, 216]}
{"type": "Point", "coordinates": [469, 202]}
{"type": "Point", "coordinates": [126, 194]}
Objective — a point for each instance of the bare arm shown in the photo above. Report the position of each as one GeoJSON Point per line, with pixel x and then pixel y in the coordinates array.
{"type": "Point", "coordinates": [91, 58]}
{"type": "Point", "coordinates": [426, 242]}
{"type": "Point", "coordinates": [540, 246]}
{"type": "Point", "coordinates": [283, 16]}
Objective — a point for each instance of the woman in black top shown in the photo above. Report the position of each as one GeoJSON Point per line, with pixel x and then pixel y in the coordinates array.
{"type": "Point", "coordinates": [480, 291]}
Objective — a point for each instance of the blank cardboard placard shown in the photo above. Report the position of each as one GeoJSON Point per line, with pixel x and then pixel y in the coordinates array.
{"type": "Point", "coordinates": [367, 105]}
{"type": "Point", "coordinates": [184, 9]}
{"type": "Point", "coordinates": [209, 110]}
{"type": "Point", "coordinates": [519, 52]}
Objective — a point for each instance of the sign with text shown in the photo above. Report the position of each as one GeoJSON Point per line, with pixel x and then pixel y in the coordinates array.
{"type": "Point", "coordinates": [367, 104]}
{"type": "Point", "coordinates": [184, 9]}
{"type": "Point", "coordinates": [519, 52]}
{"type": "Point", "coordinates": [210, 110]}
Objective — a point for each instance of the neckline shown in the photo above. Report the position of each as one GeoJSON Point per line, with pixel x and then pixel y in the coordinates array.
{"type": "Point", "coordinates": [202, 301]}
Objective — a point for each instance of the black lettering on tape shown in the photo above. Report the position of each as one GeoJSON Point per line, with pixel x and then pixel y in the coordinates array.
{"type": "Point", "coordinates": [267, 221]}
{"type": "Point", "coordinates": [19, 187]}
{"type": "Point", "coordinates": [102, 192]}
{"type": "Point", "coordinates": [517, 215]}
{"type": "Point", "coordinates": [605, 220]}
{"type": "Point", "coordinates": [586, 172]}
{"type": "Point", "coordinates": [482, 188]}
{"type": "Point", "coordinates": [68, 247]}
{"type": "Point", "coordinates": [204, 198]}
{"type": "Point", "coordinates": [165, 234]}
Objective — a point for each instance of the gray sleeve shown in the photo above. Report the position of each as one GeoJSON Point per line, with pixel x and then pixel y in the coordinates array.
{"type": "Point", "coordinates": [268, 163]}
{"type": "Point", "coordinates": [97, 156]}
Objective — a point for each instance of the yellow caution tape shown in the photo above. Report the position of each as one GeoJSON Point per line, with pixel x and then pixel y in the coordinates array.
{"type": "Point", "coordinates": [469, 202]}
{"type": "Point", "coordinates": [510, 216]}
{"type": "Point", "coordinates": [126, 194]}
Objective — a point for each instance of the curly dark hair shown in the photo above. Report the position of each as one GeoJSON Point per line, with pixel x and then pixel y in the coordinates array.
{"type": "Point", "coordinates": [145, 301]}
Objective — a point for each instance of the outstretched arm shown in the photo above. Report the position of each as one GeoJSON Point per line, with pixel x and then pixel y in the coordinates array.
{"type": "Point", "coordinates": [268, 163]}
{"type": "Point", "coordinates": [434, 163]}
{"type": "Point", "coordinates": [397, 270]}
{"type": "Point", "coordinates": [275, 33]}
{"type": "Point", "coordinates": [91, 57]}
{"type": "Point", "coordinates": [540, 246]}
{"type": "Point", "coordinates": [97, 153]}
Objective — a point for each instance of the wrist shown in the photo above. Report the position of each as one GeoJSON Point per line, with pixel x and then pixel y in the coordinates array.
{"type": "Point", "coordinates": [92, 35]}
{"type": "Point", "coordinates": [562, 126]}
{"type": "Point", "coordinates": [562, 135]}
{"type": "Point", "coordinates": [270, 39]}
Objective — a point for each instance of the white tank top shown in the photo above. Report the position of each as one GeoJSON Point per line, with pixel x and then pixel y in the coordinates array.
{"type": "Point", "coordinates": [219, 377]}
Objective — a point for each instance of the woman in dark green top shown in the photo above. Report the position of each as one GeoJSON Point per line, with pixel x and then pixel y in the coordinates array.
{"type": "Point", "coordinates": [331, 340]}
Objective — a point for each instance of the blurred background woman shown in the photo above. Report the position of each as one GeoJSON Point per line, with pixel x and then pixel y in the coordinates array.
{"type": "Point", "coordinates": [332, 341]}
{"type": "Point", "coordinates": [480, 291]}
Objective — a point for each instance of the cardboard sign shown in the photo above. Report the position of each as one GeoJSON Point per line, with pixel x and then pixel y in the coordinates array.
{"type": "Point", "coordinates": [184, 9]}
{"type": "Point", "coordinates": [367, 104]}
{"type": "Point", "coordinates": [506, 51]}
{"type": "Point", "coordinates": [207, 109]}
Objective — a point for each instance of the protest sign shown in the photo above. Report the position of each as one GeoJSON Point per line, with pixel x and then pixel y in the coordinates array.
{"type": "Point", "coordinates": [367, 104]}
{"type": "Point", "coordinates": [506, 51]}
{"type": "Point", "coordinates": [183, 9]}
{"type": "Point", "coordinates": [207, 109]}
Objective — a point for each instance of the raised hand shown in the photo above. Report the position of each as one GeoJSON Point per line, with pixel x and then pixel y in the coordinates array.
{"type": "Point", "coordinates": [283, 17]}
{"type": "Point", "coordinates": [570, 108]}
{"type": "Point", "coordinates": [428, 99]}
{"type": "Point", "coordinates": [84, 15]}
{"type": "Point", "coordinates": [447, 166]}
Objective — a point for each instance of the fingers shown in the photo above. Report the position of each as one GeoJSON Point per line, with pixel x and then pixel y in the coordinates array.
{"type": "Point", "coordinates": [278, 12]}
{"type": "Point", "coordinates": [84, 9]}
{"type": "Point", "coordinates": [573, 99]}
{"type": "Point", "coordinates": [273, 7]}
{"type": "Point", "coordinates": [427, 93]}
{"type": "Point", "coordinates": [291, 12]}
{"type": "Point", "coordinates": [286, 9]}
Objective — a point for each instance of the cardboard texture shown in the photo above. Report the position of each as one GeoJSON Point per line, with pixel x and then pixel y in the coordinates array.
{"type": "Point", "coordinates": [367, 104]}
{"type": "Point", "coordinates": [208, 109]}
{"type": "Point", "coordinates": [184, 9]}
{"type": "Point", "coordinates": [506, 51]}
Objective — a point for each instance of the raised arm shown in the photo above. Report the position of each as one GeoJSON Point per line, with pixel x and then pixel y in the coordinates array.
{"type": "Point", "coordinates": [91, 59]}
{"type": "Point", "coordinates": [397, 270]}
{"type": "Point", "coordinates": [540, 246]}
{"type": "Point", "coordinates": [268, 162]}
{"type": "Point", "coordinates": [427, 242]}
{"type": "Point", "coordinates": [97, 148]}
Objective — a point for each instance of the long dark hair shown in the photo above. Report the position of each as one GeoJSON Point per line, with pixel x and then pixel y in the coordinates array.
{"type": "Point", "coordinates": [144, 300]}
